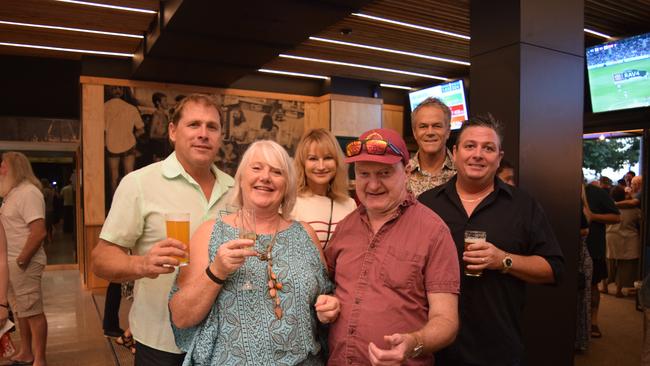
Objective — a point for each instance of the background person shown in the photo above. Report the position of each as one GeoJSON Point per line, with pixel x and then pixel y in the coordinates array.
{"type": "Point", "coordinates": [506, 172]}
{"type": "Point", "coordinates": [50, 196]}
{"type": "Point", "coordinates": [322, 183]}
{"type": "Point", "coordinates": [23, 217]}
{"type": "Point", "coordinates": [122, 124]}
{"type": "Point", "coordinates": [68, 194]}
{"type": "Point", "coordinates": [4, 278]}
{"type": "Point", "coordinates": [216, 320]}
{"type": "Point", "coordinates": [186, 181]}
{"type": "Point", "coordinates": [623, 245]}
{"type": "Point", "coordinates": [603, 212]}
{"type": "Point", "coordinates": [432, 164]}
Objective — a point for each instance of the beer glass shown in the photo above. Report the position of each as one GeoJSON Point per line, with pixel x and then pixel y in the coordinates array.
{"type": "Point", "coordinates": [471, 237]}
{"type": "Point", "coordinates": [178, 227]}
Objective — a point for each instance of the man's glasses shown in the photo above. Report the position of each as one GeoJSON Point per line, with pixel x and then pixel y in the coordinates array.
{"type": "Point", "coordinates": [373, 147]}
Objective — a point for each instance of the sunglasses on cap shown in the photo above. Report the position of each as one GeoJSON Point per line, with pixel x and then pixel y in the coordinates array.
{"type": "Point", "coordinates": [374, 146]}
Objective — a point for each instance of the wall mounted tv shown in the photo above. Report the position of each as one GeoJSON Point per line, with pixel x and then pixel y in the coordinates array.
{"type": "Point", "coordinates": [452, 94]}
{"type": "Point", "coordinates": [618, 74]}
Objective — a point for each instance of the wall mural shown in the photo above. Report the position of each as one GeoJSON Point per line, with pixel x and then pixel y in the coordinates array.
{"type": "Point", "coordinates": [136, 122]}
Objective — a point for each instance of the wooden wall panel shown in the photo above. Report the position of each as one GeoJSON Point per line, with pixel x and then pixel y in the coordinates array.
{"type": "Point", "coordinates": [351, 116]}
{"type": "Point", "coordinates": [91, 234]}
{"type": "Point", "coordinates": [92, 120]}
{"type": "Point", "coordinates": [313, 117]}
{"type": "Point", "coordinates": [393, 117]}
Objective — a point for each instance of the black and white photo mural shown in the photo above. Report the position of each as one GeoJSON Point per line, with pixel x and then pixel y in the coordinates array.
{"type": "Point", "coordinates": [136, 121]}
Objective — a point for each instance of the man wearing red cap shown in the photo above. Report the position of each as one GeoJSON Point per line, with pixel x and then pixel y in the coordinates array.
{"type": "Point", "coordinates": [394, 264]}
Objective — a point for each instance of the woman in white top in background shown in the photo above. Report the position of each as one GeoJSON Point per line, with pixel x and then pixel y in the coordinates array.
{"type": "Point", "coordinates": [322, 177]}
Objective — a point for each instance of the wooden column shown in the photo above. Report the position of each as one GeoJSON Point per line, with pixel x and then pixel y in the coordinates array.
{"type": "Point", "coordinates": [92, 119]}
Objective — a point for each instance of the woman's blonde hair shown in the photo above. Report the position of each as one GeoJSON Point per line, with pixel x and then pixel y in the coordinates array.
{"type": "Point", "coordinates": [275, 156]}
{"type": "Point", "coordinates": [327, 144]}
{"type": "Point", "coordinates": [20, 169]}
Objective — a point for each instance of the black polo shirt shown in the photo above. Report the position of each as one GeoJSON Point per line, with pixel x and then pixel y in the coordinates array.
{"type": "Point", "coordinates": [490, 306]}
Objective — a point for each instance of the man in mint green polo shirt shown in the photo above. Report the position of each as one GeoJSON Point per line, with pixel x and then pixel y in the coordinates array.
{"type": "Point", "coordinates": [187, 181]}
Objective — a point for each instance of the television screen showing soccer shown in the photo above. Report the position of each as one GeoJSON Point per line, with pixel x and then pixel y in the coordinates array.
{"type": "Point", "coordinates": [618, 74]}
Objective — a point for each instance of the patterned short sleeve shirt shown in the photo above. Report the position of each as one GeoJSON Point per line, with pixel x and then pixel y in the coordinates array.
{"type": "Point", "coordinates": [420, 181]}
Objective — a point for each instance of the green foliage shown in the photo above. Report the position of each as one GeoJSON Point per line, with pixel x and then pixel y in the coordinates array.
{"type": "Point", "coordinates": [611, 153]}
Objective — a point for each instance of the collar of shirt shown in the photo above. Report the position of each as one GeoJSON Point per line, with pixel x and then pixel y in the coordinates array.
{"type": "Point", "coordinates": [414, 163]}
{"type": "Point", "coordinates": [408, 201]}
{"type": "Point", "coordinates": [500, 188]}
{"type": "Point", "coordinates": [172, 168]}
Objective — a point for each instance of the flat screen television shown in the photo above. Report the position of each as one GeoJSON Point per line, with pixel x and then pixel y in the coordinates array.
{"type": "Point", "coordinates": [618, 74]}
{"type": "Point", "coordinates": [452, 94]}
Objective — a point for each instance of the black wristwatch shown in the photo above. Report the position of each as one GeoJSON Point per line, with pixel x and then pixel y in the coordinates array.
{"type": "Point", "coordinates": [214, 277]}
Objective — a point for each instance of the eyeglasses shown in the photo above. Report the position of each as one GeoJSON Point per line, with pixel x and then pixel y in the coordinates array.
{"type": "Point", "coordinates": [373, 147]}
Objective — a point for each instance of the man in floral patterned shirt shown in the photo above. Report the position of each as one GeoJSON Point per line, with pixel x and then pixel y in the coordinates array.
{"type": "Point", "coordinates": [432, 165]}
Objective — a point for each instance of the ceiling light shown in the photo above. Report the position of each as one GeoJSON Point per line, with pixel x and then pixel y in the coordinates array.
{"type": "Point", "coordinates": [294, 74]}
{"type": "Point", "coordinates": [66, 49]}
{"type": "Point", "coordinates": [602, 35]}
{"type": "Point", "coordinates": [363, 66]}
{"type": "Point", "coordinates": [72, 29]}
{"type": "Point", "coordinates": [137, 10]}
{"type": "Point", "coordinates": [434, 30]}
{"type": "Point", "coordinates": [412, 54]}
{"type": "Point", "coordinates": [395, 86]}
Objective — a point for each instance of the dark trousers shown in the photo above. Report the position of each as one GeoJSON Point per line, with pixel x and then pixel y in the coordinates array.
{"type": "Point", "coordinates": [112, 307]}
{"type": "Point", "coordinates": [147, 356]}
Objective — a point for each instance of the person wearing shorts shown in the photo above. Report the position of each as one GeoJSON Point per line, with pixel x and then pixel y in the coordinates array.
{"type": "Point", "coordinates": [23, 217]}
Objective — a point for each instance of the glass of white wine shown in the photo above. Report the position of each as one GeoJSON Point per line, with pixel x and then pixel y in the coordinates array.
{"type": "Point", "coordinates": [246, 226]}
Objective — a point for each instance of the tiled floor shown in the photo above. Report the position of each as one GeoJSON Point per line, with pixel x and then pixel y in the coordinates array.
{"type": "Point", "coordinates": [75, 332]}
{"type": "Point", "coordinates": [622, 328]}
{"type": "Point", "coordinates": [62, 249]}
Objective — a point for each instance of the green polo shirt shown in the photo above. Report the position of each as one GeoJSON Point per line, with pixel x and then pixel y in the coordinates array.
{"type": "Point", "coordinates": [137, 221]}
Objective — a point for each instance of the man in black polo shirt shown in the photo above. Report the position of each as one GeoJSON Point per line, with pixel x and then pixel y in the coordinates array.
{"type": "Point", "coordinates": [520, 248]}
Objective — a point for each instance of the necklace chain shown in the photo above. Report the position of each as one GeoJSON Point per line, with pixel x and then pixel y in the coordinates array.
{"type": "Point", "coordinates": [473, 199]}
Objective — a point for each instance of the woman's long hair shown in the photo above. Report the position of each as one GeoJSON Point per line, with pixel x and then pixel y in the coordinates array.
{"type": "Point", "coordinates": [327, 144]}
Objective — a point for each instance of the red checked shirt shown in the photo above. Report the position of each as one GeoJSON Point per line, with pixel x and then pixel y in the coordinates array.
{"type": "Point", "coordinates": [382, 279]}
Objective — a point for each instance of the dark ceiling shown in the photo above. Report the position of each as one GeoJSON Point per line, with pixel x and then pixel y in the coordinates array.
{"type": "Point", "coordinates": [208, 42]}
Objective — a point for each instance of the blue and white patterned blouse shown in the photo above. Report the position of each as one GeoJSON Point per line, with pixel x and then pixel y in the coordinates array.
{"type": "Point", "coordinates": [241, 328]}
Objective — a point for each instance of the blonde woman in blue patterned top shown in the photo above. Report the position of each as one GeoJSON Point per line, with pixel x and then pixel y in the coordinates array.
{"type": "Point", "coordinates": [219, 321]}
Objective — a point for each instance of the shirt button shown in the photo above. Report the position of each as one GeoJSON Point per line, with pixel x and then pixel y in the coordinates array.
{"type": "Point", "coordinates": [356, 301]}
{"type": "Point", "coordinates": [351, 330]}
{"type": "Point", "coordinates": [372, 246]}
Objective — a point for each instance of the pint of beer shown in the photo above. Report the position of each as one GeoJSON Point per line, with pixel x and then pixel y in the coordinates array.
{"type": "Point", "coordinates": [472, 237]}
{"type": "Point", "coordinates": [178, 227]}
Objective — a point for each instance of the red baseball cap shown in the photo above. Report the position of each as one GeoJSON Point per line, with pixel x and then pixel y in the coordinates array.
{"type": "Point", "coordinates": [390, 156]}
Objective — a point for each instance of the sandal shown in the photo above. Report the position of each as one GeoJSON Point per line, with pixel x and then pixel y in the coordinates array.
{"type": "Point", "coordinates": [126, 342]}
{"type": "Point", "coordinates": [595, 331]}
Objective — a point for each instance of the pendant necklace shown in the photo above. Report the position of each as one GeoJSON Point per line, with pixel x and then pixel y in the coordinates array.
{"type": "Point", "coordinates": [274, 285]}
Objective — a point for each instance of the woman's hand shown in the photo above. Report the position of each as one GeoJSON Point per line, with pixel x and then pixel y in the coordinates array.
{"type": "Point", "coordinates": [230, 256]}
{"type": "Point", "coordinates": [327, 308]}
